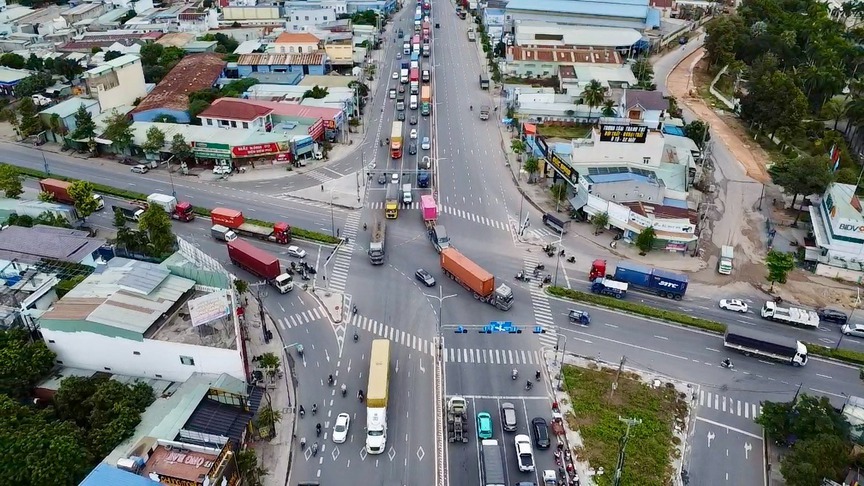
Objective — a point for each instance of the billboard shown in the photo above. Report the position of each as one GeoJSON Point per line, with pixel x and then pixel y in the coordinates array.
{"type": "Point", "coordinates": [259, 149]}
{"type": "Point", "coordinates": [623, 133]}
{"type": "Point", "coordinates": [209, 308]}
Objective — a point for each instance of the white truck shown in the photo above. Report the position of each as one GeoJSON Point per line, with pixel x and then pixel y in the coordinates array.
{"type": "Point", "coordinates": [790, 315]}
{"type": "Point", "coordinates": [754, 343]}
{"type": "Point", "coordinates": [179, 210]}
{"type": "Point", "coordinates": [377, 397]}
{"type": "Point", "coordinates": [727, 253]}
{"type": "Point", "coordinates": [403, 76]}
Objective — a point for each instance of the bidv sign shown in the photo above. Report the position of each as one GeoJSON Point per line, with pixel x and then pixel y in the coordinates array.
{"type": "Point", "coordinates": [855, 228]}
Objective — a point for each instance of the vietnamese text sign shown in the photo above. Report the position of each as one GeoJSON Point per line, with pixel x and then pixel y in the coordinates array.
{"type": "Point", "coordinates": [208, 308]}
{"type": "Point", "coordinates": [623, 133]}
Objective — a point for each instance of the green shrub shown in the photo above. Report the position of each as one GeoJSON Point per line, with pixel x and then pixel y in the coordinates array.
{"type": "Point", "coordinates": [846, 355]}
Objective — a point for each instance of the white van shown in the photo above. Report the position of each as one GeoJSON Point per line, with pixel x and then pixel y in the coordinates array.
{"type": "Point", "coordinates": [406, 48]}
{"type": "Point", "coordinates": [415, 64]}
{"type": "Point", "coordinates": [412, 103]}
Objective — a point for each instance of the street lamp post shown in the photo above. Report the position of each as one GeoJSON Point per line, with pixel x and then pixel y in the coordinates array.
{"type": "Point", "coordinates": [851, 314]}
{"type": "Point", "coordinates": [45, 163]}
{"type": "Point", "coordinates": [561, 362]}
{"type": "Point", "coordinates": [440, 298]}
{"type": "Point", "coordinates": [171, 177]}
{"type": "Point", "coordinates": [332, 220]}
{"type": "Point", "coordinates": [558, 257]}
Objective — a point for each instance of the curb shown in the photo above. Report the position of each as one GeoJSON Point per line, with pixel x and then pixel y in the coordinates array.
{"type": "Point", "coordinates": [334, 313]}
{"type": "Point", "coordinates": [338, 205]}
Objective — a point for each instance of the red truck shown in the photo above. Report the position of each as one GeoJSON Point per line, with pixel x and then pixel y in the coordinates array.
{"type": "Point", "coordinates": [260, 263]}
{"type": "Point", "coordinates": [279, 233]}
{"type": "Point", "coordinates": [474, 278]}
{"type": "Point", "coordinates": [59, 190]}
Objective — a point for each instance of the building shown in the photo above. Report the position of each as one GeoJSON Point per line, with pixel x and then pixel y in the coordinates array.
{"type": "Point", "coordinates": [235, 114]}
{"type": "Point", "coordinates": [171, 96]}
{"type": "Point", "coordinates": [296, 43]}
{"type": "Point", "coordinates": [339, 47]}
{"type": "Point", "coordinates": [84, 11]}
{"type": "Point", "coordinates": [118, 82]}
{"type": "Point", "coordinates": [838, 229]}
{"type": "Point", "coordinates": [274, 116]}
{"type": "Point", "coordinates": [628, 14]}
{"type": "Point", "coordinates": [544, 62]}
{"type": "Point", "coordinates": [64, 114]}
{"type": "Point", "coordinates": [9, 78]}
{"type": "Point", "coordinates": [643, 107]}
{"type": "Point", "coordinates": [309, 63]}
{"type": "Point", "coordinates": [305, 19]}
{"type": "Point", "coordinates": [105, 40]}
{"type": "Point", "coordinates": [252, 14]}
{"type": "Point", "coordinates": [572, 80]}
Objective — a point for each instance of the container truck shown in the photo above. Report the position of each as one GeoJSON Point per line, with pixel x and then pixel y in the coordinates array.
{"type": "Point", "coordinates": [429, 210]}
{"type": "Point", "coordinates": [771, 346]}
{"type": "Point", "coordinates": [376, 244]}
{"type": "Point", "coordinates": [426, 100]}
{"type": "Point", "coordinates": [260, 263]}
{"type": "Point", "coordinates": [727, 253]}
{"type": "Point", "coordinates": [493, 464]}
{"type": "Point", "coordinates": [646, 279]}
{"type": "Point", "coordinates": [223, 233]}
{"type": "Point", "coordinates": [396, 140]}
{"type": "Point", "coordinates": [278, 233]}
{"type": "Point", "coordinates": [179, 210]}
{"type": "Point", "coordinates": [414, 78]}
{"type": "Point", "coordinates": [790, 315]}
{"type": "Point", "coordinates": [376, 396]}
{"type": "Point", "coordinates": [132, 211]}
{"type": "Point", "coordinates": [391, 201]}
{"type": "Point", "coordinates": [59, 191]}
{"type": "Point", "coordinates": [474, 278]}
{"type": "Point", "coordinates": [612, 288]}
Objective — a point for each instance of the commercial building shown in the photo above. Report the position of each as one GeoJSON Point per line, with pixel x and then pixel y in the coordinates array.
{"type": "Point", "coordinates": [118, 82]}
{"type": "Point", "coordinates": [9, 78]}
{"type": "Point", "coordinates": [64, 113]}
{"type": "Point", "coordinates": [838, 229]}
{"type": "Point", "coordinates": [171, 96]}
{"type": "Point", "coordinates": [628, 14]}
{"type": "Point", "coordinates": [310, 63]}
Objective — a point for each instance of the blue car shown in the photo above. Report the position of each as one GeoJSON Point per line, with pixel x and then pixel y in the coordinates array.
{"type": "Point", "coordinates": [484, 425]}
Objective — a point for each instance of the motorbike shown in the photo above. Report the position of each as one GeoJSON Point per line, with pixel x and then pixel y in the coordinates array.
{"type": "Point", "coordinates": [344, 390]}
{"type": "Point", "coordinates": [317, 430]}
{"type": "Point", "coordinates": [360, 396]}
{"type": "Point", "coordinates": [539, 267]}
{"type": "Point", "coordinates": [315, 449]}
{"type": "Point", "coordinates": [571, 259]}
{"type": "Point", "coordinates": [528, 385]}
{"type": "Point", "coordinates": [547, 279]}
{"type": "Point", "coordinates": [354, 309]}
{"type": "Point", "coordinates": [305, 276]}
{"type": "Point", "coordinates": [302, 443]}
{"type": "Point", "coordinates": [521, 277]}
{"type": "Point", "coordinates": [514, 375]}
{"type": "Point", "coordinates": [356, 337]}
{"type": "Point", "coordinates": [727, 364]}
{"type": "Point", "coordinates": [314, 409]}
{"type": "Point", "coordinates": [537, 375]}
{"type": "Point", "coordinates": [302, 411]}
{"type": "Point", "coordinates": [300, 350]}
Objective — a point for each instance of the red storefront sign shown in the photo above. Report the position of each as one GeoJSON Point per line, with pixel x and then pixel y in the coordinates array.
{"type": "Point", "coordinates": [330, 124]}
{"type": "Point", "coordinates": [282, 157]}
{"type": "Point", "coordinates": [257, 149]}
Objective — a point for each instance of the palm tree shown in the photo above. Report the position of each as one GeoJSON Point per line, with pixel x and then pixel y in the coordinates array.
{"type": "Point", "coordinates": [608, 109]}
{"type": "Point", "coordinates": [594, 95]}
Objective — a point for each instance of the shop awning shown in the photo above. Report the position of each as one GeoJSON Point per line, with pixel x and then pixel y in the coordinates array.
{"type": "Point", "coordinates": [579, 200]}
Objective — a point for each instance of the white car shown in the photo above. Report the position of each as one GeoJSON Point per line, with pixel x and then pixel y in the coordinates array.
{"type": "Point", "coordinates": [413, 133]}
{"type": "Point", "coordinates": [524, 454]}
{"type": "Point", "coordinates": [426, 144]}
{"type": "Point", "coordinates": [734, 305]}
{"type": "Point", "coordinates": [296, 251]}
{"type": "Point", "coordinates": [340, 429]}
{"type": "Point", "coordinates": [221, 169]}
{"type": "Point", "coordinates": [140, 169]}
{"type": "Point", "coordinates": [394, 177]}
{"type": "Point", "coordinates": [395, 75]}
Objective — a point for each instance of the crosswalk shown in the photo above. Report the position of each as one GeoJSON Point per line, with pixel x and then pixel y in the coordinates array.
{"type": "Point", "coordinates": [379, 205]}
{"type": "Point", "coordinates": [399, 337]}
{"type": "Point", "coordinates": [721, 403]}
{"type": "Point", "coordinates": [338, 274]}
{"type": "Point", "coordinates": [301, 318]}
{"type": "Point", "coordinates": [540, 304]}
{"type": "Point", "coordinates": [318, 176]}
{"type": "Point", "coordinates": [492, 356]}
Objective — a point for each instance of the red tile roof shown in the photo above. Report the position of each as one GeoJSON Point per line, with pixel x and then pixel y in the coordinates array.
{"type": "Point", "coordinates": [660, 211]}
{"type": "Point", "coordinates": [193, 73]}
{"type": "Point", "coordinates": [291, 110]}
{"type": "Point", "coordinates": [299, 38]}
{"type": "Point", "coordinates": [565, 55]}
{"type": "Point", "coordinates": [235, 109]}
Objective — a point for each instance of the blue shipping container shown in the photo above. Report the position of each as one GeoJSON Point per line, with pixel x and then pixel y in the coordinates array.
{"type": "Point", "coordinates": [670, 281]}
{"type": "Point", "coordinates": [660, 281]}
{"type": "Point", "coordinates": [633, 273]}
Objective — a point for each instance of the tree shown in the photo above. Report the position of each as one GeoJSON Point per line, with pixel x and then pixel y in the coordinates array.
{"type": "Point", "coordinates": [23, 362]}
{"type": "Point", "coordinates": [518, 146]}
{"type": "Point", "coordinates": [82, 193]}
{"type": "Point", "coordinates": [45, 196]}
{"type": "Point", "coordinates": [804, 175]}
{"type": "Point", "coordinates": [600, 221]}
{"type": "Point", "coordinates": [48, 218]}
{"type": "Point", "coordinates": [643, 71]}
{"type": "Point", "coordinates": [28, 118]}
{"type": "Point", "coordinates": [67, 68]}
{"type": "Point", "coordinates": [242, 286]}
{"type": "Point", "coordinates": [34, 63]}
{"type": "Point", "coordinates": [558, 192]}
{"type": "Point", "coordinates": [12, 60]}
{"type": "Point", "coordinates": [779, 265]}
{"type": "Point", "coordinates": [270, 363]}
{"type": "Point", "coordinates": [317, 92]}
{"type": "Point", "coordinates": [698, 131]}
{"type": "Point", "coordinates": [157, 225]}
{"type": "Point", "coordinates": [594, 95]}
{"type": "Point", "coordinates": [812, 460]}
{"type": "Point", "coordinates": [10, 181]}
{"type": "Point", "coordinates": [150, 53]}
{"type": "Point", "coordinates": [118, 129]}
{"type": "Point", "coordinates": [85, 127]}
{"type": "Point", "coordinates": [33, 84]}
{"type": "Point", "coordinates": [181, 150]}
{"type": "Point", "coordinates": [773, 100]}
{"type": "Point", "coordinates": [119, 221]}
{"type": "Point", "coordinates": [155, 142]}
{"type": "Point", "coordinates": [195, 109]}
{"type": "Point", "coordinates": [609, 109]}
{"type": "Point", "coordinates": [362, 89]}
{"type": "Point", "coordinates": [834, 109]}
{"type": "Point", "coordinates": [645, 240]}
{"type": "Point", "coordinates": [251, 470]}
{"type": "Point", "coordinates": [724, 35]}
{"type": "Point", "coordinates": [531, 166]}
{"type": "Point", "coordinates": [805, 418]}
{"type": "Point", "coordinates": [111, 55]}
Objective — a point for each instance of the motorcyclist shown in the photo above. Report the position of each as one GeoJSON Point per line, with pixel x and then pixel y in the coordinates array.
{"type": "Point", "coordinates": [537, 375]}
{"type": "Point", "coordinates": [318, 429]}
{"type": "Point", "coordinates": [528, 385]}
{"type": "Point", "coordinates": [515, 373]}
{"type": "Point", "coordinates": [364, 226]}
{"type": "Point", "coordinates": [727, 363]}
{"type": "Point", "coordinates": [314, 408]}
{"type": "Point", "coordinates": [302, 411]}
{"type": "Point", "coordinates": [356, 337]}
{"type": "Point", "coordinates": [330, 379]}
{"type": "Point", "coordinates": [344, 389]}
{"type": "Point", "coordinates": [354, 309]}
{"type": "Point", "coordinates": [471, 107]}
{"type": "Point", "coordinates": [360, 395]}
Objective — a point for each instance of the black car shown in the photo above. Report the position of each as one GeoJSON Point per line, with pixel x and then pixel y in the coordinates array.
{"type": "Point", "coordinates": [413, 120]}
{"type": "Point", "coordinates": [831, 315]}
{"type": "Point", "coordinates": [425, 277]}
{"type": "Point", "coordinates": [412, 148]}
{"type": "Point", "coordinates": [400, 115]}
{"type": "Point", "coordinates": [382, 178]}
{"type": "Point", "coordinates": [541, 433]}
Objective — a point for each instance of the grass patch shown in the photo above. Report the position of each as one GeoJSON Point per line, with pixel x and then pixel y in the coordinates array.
{"type": "Point", "coordinates": [561, 131]}
{"type": "Point", "coordinates": [199, 211]}
{"type": "Point", "coordinates": [845, 355]}
{"type": "Point", "coordinates": [651, 445]}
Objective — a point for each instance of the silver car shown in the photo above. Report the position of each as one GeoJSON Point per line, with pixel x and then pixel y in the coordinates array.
{"type": "Point", "coordinates": [508, 416]}
{"type": "Point", "coordinates": [856, 330]}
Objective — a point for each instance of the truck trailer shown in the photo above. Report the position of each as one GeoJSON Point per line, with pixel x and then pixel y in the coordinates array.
{"type": "Point", "coordinates": [426, 100]}
{"type": "Point", "coordinates": [607, 286]}
{"type": "Point", "coordinates": [771, 346]}
{"type": "Point", "coordinates": [474, 278]}
{"type": "Point", "coordinates": [429, 210]}
{"type": "Point", "coordinates": [278, 233]}
{"type": "Point", "coordinates": [179, 210]}
{"type": "Point", "coordinates": [493, 464]}
{"type": "Point", "coordinates": [646, 279]}
{"type": "Point", "coordinates": [59, 191]}
{"type": "Point", "coordinates": [790, 315]}
{"type": "Point", "coordinates": [260, 263]}
{"type": "Point", "coordinates": [376, 244]}
{"type": "Point", "coordinates": [377, 396]}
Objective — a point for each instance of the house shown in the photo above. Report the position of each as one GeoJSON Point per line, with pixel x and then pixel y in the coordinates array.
{"type": "Point", "coordinates": [236, 114]}
{"type": "Point", "coordinates": [321, 120]}
{"type": "Point", "coordinates": [84, 11]}
{"type": "Point", "coordinates": [304, 19]}
{"type": "Point", "coordinates": [643, 107]}
{"type": "Point", "coordinates": [118, 82]}
{"type": "Point", "coordinates": [311, 63]}
{"type": "Point", "coordinates": [9, 78]}
{"type": "Point", "coordinates": [630, 14]}
{"type": "Point", "coordinates": [60, 118]}
{"type": "Point", "coordinates": [544, 61]}
{"type": "Point", "coordinates": [191, 20]}
{"type": "Point", "coordinates": [171, 96]}
{"type": "Point", "coordinates": [340, 49]}
{"type": "Point", "coordinates": [572, 80]}
{"type": "Point", "coordinates": [104, 40]}
{"type": "Point", "coordinates": [534, 33]}
{"type": "Point", "coordinates": [296, 43]}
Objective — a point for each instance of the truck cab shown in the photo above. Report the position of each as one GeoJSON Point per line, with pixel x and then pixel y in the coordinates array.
{"type": "Point", "coordinates": [284, 283]}
{"type": "Point", "coordinates": [440, 240]}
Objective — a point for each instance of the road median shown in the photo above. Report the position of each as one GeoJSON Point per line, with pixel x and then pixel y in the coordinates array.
{"type": "Point", "coordinates": [681, 319]}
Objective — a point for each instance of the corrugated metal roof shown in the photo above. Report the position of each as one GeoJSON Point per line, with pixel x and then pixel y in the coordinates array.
{"type": "Point", "coordinates": [636, 9]}
{"type": "Point", "coordinates": [264, 59]}
{"type": "Point", "coordinates": [106, 475]}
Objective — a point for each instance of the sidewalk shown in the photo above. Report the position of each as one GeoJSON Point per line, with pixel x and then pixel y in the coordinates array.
{"type": "Point", "coordinates": [276, 454]}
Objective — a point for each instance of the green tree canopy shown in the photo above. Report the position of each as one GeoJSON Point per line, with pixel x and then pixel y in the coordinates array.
{"type": "Point", "coordinates": [594, 95]}
{"type": "Point", "coordinates": [812, 460]}
{"type": "Point", "coordinates": [645, 240]}
{"type": "Point", "coordinates": [85, 127]}
{"type": "Point", "coordinates": [779, 265]}
{"type": "Point", "coordinates": [10, 181]}
{"type": "Point", "coordinates": [317, 92]}
{"type": "Point", "coordinates": [23, 362]}
{"type": "Point", "coordinates": [33, 84]}
{"type": "Point", "coordinates": [804, 175]}
{"type": "Point", "coordinates": [698, 131]}
{"type": "Point", "coordinates": [181, 150]}
{"type": "Point", "coordinates": [118, 129]}
{"type": "Point", "coordinates": [82, 193]}
{"type": "Point", "coordinates": [12, 60]}
{"type": "Point", "coordinates": [155, 142]}
{"type": "Point", "coordinates": [28, 118]}
{"type": "Point", "coordinates": [600, 221]}
{"type": "Point", "coordinates": [156, 223]}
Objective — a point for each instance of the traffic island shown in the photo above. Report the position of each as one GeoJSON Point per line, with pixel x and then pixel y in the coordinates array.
{"type": "Point", "coordinates": [334, 302]}
{"type": "Point", "coordinates": [607, 408]}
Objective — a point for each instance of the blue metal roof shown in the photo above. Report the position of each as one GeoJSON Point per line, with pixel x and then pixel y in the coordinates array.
{"type": "Point", "coordinates": [653, 18]}
{"type": "Point", "coordinates": [585, 7]}
{"type": "Point", "coordinates": [675, 203]}
{"type": "Point", "coordinates": [619, 177]}
{"type": "Point", "coordinates": [106, 475]}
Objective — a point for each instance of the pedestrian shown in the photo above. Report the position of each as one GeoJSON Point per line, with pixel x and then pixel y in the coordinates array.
{"type": "Point", "coordinates": [322, 187]}
{"type": "Point", "coordinates": [337, 232]}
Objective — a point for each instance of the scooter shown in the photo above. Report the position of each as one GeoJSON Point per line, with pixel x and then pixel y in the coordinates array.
{"type": "Point", "coordinates": [547, 279]}
{"type": "Point", "coordinates": [356, 337]}
{"type": "Point", "coordinates": [354, 309]}
{"type": "Point", "coordinates": [315, 449]}
{"type": "Point", "coordinates": [521, 277]}
{"type": "Point", "coordinates": [514, 375]}
{"type": "Point", "coordinates": [539, 267]}
{"type": "Point", "coordinates": [571, 259]}
{"type": "Point", "coordinates": [528, 385]}
{"type": "Point", "coordinates": [318, 430]}
{"type": "Point", "coordinates": [728, 365]}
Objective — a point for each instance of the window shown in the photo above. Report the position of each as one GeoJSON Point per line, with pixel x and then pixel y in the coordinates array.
{"type": "Point", "coordinates": [307, 18]}
{"type": "Point", "coordinates": [106, 368]}
{"type": "Point", "coordinates": [233, 124]}
{"type": "Point", "coordinates": [51, 341]}
{"type": "Point", "coordinates": [245, 125]}
{"type": "Point", "coordinates": [158, 376]}
{"type": "Point", "coordinates": [210, 121]}
{"type": "Point", "coordinates": [646, 160]}
{"type": "Point", "coordinates": [325, 18]}
{"type": "Point", "coordinates": [187, 360]}
{"type": "Point", "coordinates": [136, 353]}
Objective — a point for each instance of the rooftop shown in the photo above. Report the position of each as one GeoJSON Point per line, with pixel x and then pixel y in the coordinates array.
{"type": "Point", "coordinates": [193, 73]}
{"type": "Point", "coordinates": [9, 75]}
{"type": "Point", "coordinates": [176, 39]}
{"type": "Point", "coordinates": [647, 100]}
{"type": "Point", "coordinates": [233, 109]}
{"type": "Point", "coordinates": [544, 33]}
{"type": "Point", "coordinates": [564, 55]}
{"type": "Point", "coordinates": [659, 211]}
{"type": "Point", "coordinates": [299, 38]}
{"type": "Point", "coordinates": [634, 9]}
{"type": "Point", "coordinates": [80, 9]}
{"type": "Point", "coordinates": [292, 110]}
{"type": "Point", "coordinates": [264, 59]}
{"type": "Point", "coordinates": [31, 244]}
{"type": "Point", "coordinates": [67, 108]}
{"type": "Point", "coordinates": [328, 81]}
{"type": "Point", "coordinates": [191, 133]}
{"type": "Point", "coordinates": [844, 203]}
{"type": "Point", "coordinates": [115, 63]}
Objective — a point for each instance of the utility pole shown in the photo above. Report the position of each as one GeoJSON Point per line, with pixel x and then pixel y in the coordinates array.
{"type": "Point", "coordinates": [620, 467]}
{"type": "Point", "coordinates": [798, 391]}
{"type": "Point", "coordinates": [617, 374]}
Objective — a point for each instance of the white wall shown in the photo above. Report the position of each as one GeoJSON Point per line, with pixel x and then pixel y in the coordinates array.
{"type": "Point", "coordinates": [117, 355]}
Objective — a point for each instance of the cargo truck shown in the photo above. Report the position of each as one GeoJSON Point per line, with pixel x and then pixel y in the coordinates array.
{"type": "Point", "coordinates": [223, 233]}
{"type": "Point", "coordinates": [474, 278]}
{"type": "Point", "coordinates": [376, 244]}
{"type": "Point", "coordinates": [493, 464]}
{"type": "Point", "coordinates": [179, 210]}
{"type": "Point", "coordinates": [415, 81]}
{"type": "Point", "coordinates": [429, 210]}
{"type": "Point", "coordinates": [725, 265]}
{"type": "Point", "coordinates": [132, 211]}
{"type": "Point", "coordinates": [403, 73]}
{"type": "Point", "coordinates": [790, 315]}
{"type": "Point", "coordinates": [59, 191]}
{"type": "Point", "coordinates": [278, 233]}
{"type": "Point", "coordinates": [771, 346]}
{"type": "Point", "coordinates": [612, 288]}
{"type": "Point", "coordinates": [426, 100]}
{"type": "Point", "coordinates": [391, 201]}
{"type": "Point", "coordinates": [484, 81]}
{"type": "Point", "coordinates": [260, 263]}
{"type": "Point", "coordinates": [376, 396]}
{"type": "Point", "coordinates": [484, 112]}
{"type": "Point", "coordinates": [396, 140]}
{"type": "Point", "coordinates": [35, 209]}
{"type": "Point", "coordinates": [471, 35]}
{"type": "Point", "coordinates": [643, 278]}
{"type": "Point", "coordinates": [457, 420]}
